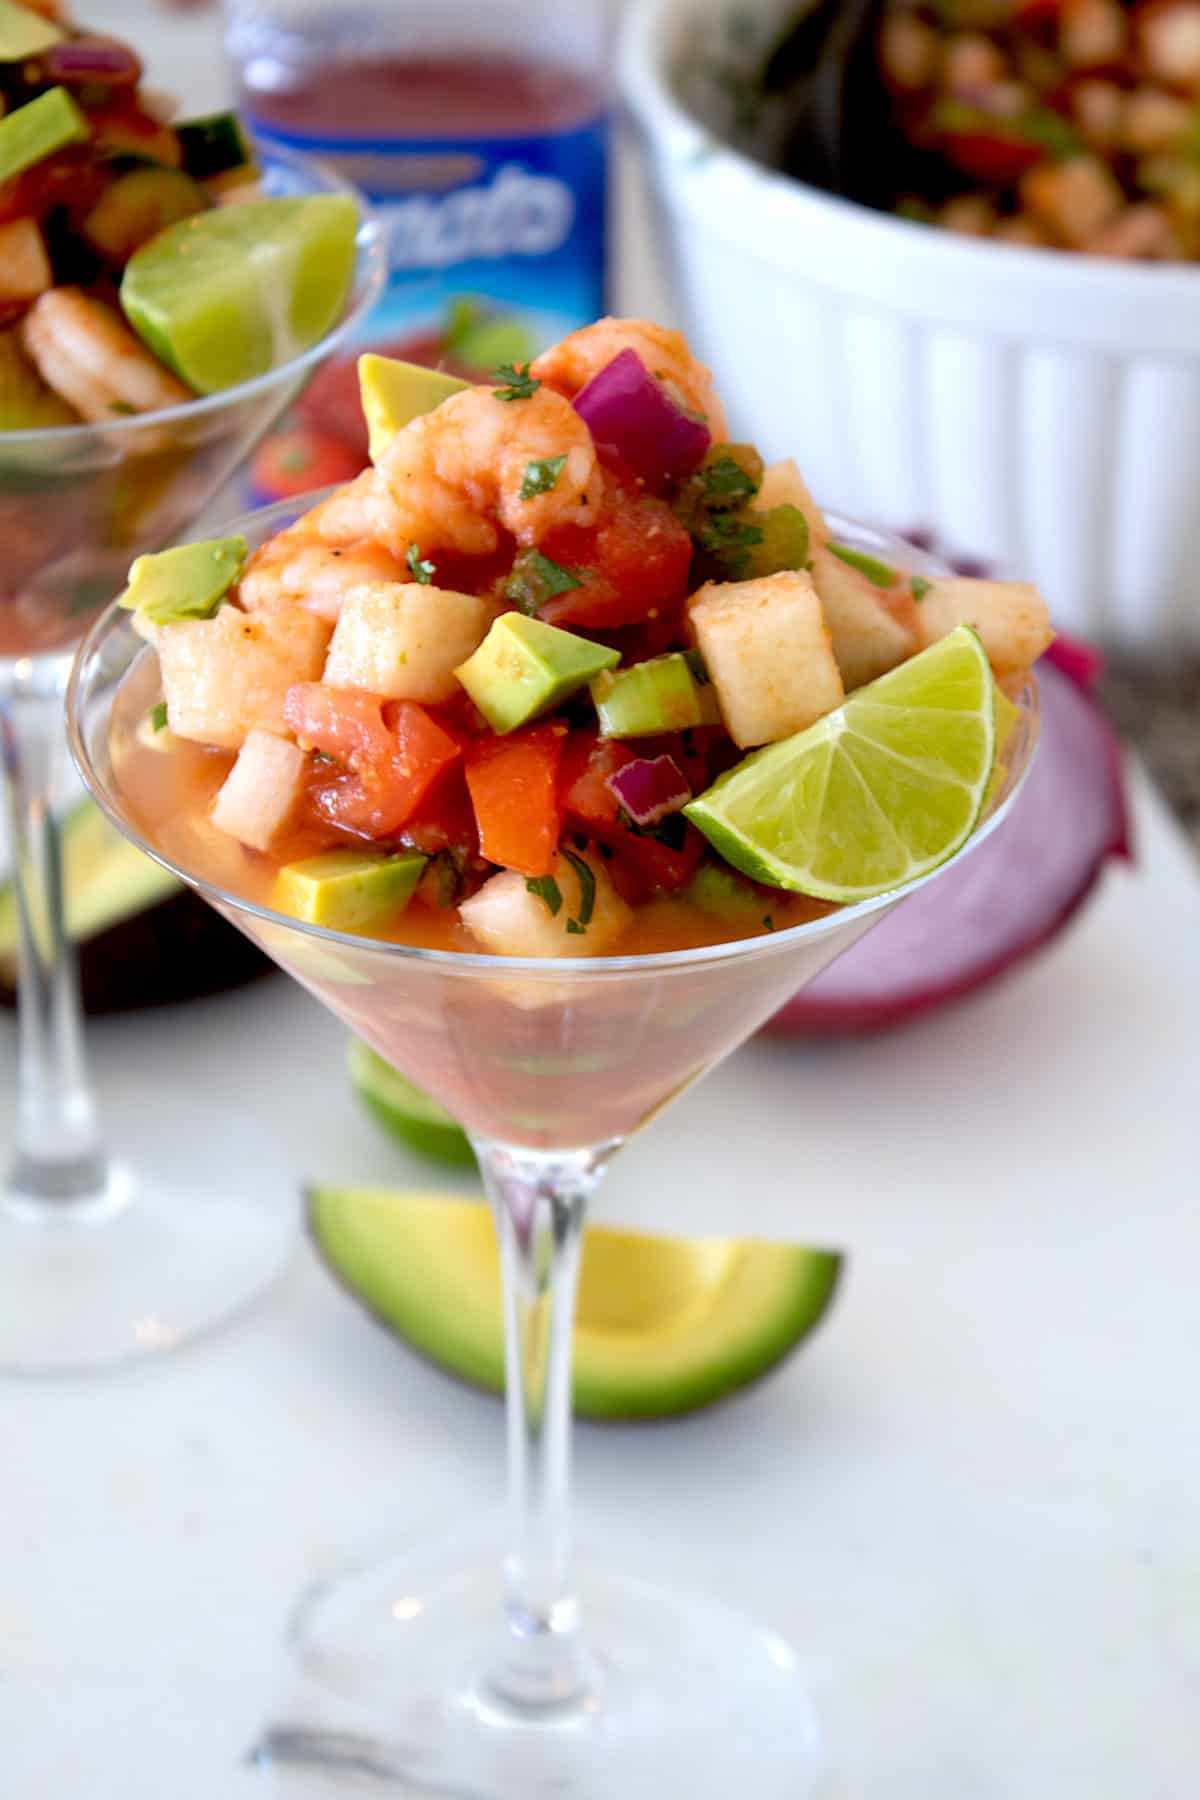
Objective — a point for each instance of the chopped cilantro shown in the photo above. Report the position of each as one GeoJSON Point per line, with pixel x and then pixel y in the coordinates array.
{"type": "Point", "coordinates": [881, 573]}
{"type": "Point", "coordinates": [587, 889]}
{"type": "Point", "coordinates": [768, 921]}
{"type": "Point", "coordinates": [575, 929]}
{"type": "Point", "coordinates": [519, 384]}
{"type": "Point", "coordinates": [540, 477]}
{"type": "Point", "coordinates": [699, 670]}
{"type": "Point", "coordinates": [727, 482]}
{"type": "Point", "coordinates": [535, 579]}
{"type": "Point", "coordinates": [449, 880]}
{"type": "Point", "coordinates": [729, 540]}
{"type": "Point", "coordinates": [158, 716]}
{"type": "Point", "coordinates": [546, 889]}
{"type": "Point", "coordinates": [423, 572]}
{"type": "Point", "coordinates": [920, 587]}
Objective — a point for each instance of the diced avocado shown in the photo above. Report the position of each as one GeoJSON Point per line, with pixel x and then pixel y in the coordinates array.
{"type": "Point", "coordinates": [25, 33]}
{"type": "Point", "coordinates": [26, 403]}
{"type": "Point", "coordinates": [39, 128]}
{"type": "Point", "coordinates": [881, 573]}
{"type": "Point", "coordinates": [395, 393]}
{"type": "Point", "coordinates": [664, 1325]}
{"type": "Point", "coordinates": [784, 542]}
{"type": "Point", "coordinates": [138, 205]}
{"type": "Point", "coordinates": [651, 697]}
{"type": "Point", "coordinates": [213, 145]}
{"type": "Point", "coordinates": [523, 668]}
{"type": "Point", "coordinates": [188, 582]}
{"type": "Point", "coordinates": [347, 890]}
{"type": "Point", "coordinates": [717, 890]}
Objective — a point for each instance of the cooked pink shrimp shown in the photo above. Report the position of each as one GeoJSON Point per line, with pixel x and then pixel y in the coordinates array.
{"type": "Point", "coordinates": [329, 550]}
{"type": "Point", "coordinates": [572, 364]}
{"type": "Point", "coordinates": [476, 462]}
{"type": "Point", "coordinates": [88, 355]}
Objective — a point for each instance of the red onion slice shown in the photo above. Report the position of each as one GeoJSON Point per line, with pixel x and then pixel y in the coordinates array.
{"type": "Point", "coordinates": [649, 788]}
{"type": "Point", "coordinates": [87, 59]}
{"type": "Point", "coordinates": [1003, 901]}
{"type": "Point", "coordinates": [626, 409]}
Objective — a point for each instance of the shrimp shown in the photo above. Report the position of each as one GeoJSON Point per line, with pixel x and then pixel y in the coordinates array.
{"type": "Point", "coordinates": [571, 364]}
{"type": "Point", "coordinates": [451, 477]}
{"type": "Point", "coordinates": [316, 561]}
{"type": "Point", "coordinates": [88, 355]}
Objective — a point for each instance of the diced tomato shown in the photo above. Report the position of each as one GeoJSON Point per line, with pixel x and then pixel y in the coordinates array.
{"type": "Point", "coordinates": [633, 563]}
{"type": "Point", "coordinates": [997, 157]}
{"type": "Point", "coordinates": [514, 789]}
{"type": "Point", "coordinates": [389, 763]}
{"type": "Point", "coordinates": [295, 462]}
{"type": "Point", "coordinates": [588, 761]}
{"type": "Point", "coordinates": [660, 867]}
{"type": "Point", "coordinates": [445, 819]}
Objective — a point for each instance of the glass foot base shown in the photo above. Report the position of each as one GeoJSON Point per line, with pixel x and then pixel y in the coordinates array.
{"type": "Point", "coordinates": [154, 1260]}
{"type": "Point", "coordinates": [685, 1697]}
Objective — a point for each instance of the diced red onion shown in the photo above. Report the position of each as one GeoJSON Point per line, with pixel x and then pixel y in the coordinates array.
{"type": "Point", "coordinates": [87, 59]}
{"type": "Point", "coordinates": [626, 408]}
{"type": "Point", "coordinates": [649, 788]}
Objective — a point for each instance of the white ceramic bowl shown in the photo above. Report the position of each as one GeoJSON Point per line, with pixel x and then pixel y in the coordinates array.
{"type": "Point", "coordinates": [1036, 410]}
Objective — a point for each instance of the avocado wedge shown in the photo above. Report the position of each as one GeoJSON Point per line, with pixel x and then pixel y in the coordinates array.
{"type": "Point", "coordinates": [143, 939]}
{"type": "Point", "coordinates": [665, 1326]}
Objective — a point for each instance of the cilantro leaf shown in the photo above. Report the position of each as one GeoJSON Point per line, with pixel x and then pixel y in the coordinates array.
{"type": "Point", "coordinates": [540, 477]}
{"type": "Point", "coordinates": [158, 716]}
{"type": "Point", "coordinates": [729, 540]}
{"type": "Point", "coordinates": [587, 889]}
{"type": "Point", "coordinates": [546, 889]}
{"type": "Point", "coordinates": [519, 384]}
{"type": "Point", "coordinates": [575, 929]}
{"type": "Point", "coordinates": [423, 572]}
{"type": "Point", "coordinates": [920, 587]}
{"type": "Point", "coordinates": [535, 579]}
{"type": "Point", "coordinates": [727, 482]}
{"type": "Point", "coordinates": [881, 573]}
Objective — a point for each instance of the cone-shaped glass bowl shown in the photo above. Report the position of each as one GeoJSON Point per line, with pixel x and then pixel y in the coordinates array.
{"type": "Point", "coordinates": [105, 1257]}
{"type": "Point", "coordinates": [438, 1673]}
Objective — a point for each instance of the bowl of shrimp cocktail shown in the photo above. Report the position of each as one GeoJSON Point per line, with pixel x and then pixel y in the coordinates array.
{"type": "Point", "coordinates": [552, 753]}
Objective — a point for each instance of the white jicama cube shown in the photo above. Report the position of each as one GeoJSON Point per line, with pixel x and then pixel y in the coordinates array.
{"type": "Point", "coordinates": [1010, 617]}
{"type": "Point", "coordinates": [223, 676]}
{"type": "Point", "coordinates": [260, 792]}
{"type": "Point", "coordinates": [868, 640]}
{"type": "Point", "coordinates": [404, 639]}
{"type": "Point", "coordinates": [784, 485]}
{"type": "Point", "coordinates": [511, 919]}
{"type": "Point", "coordinates": [769, 655]}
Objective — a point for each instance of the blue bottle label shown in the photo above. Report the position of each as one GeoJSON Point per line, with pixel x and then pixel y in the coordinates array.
{"type": "Point", "coordinates": [497, 244]}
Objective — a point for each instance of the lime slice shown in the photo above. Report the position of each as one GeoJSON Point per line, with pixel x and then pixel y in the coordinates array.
{"type": "Point", "coordinates": [403, 1110]}
{"type": "Point", "coordinates": [664, 1326]}
{"type": "Point", "coordinates": [228, 294]}
{"type": "Point", "coordinates": [875, 794]}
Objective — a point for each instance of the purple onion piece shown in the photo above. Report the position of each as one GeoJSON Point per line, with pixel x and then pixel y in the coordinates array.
{"type": "Point", "coordinates": [79, 61]}
{"type": "Point", "coordinates": [625, 407]}
{"type": "Point", "coordinates": [649, 789]}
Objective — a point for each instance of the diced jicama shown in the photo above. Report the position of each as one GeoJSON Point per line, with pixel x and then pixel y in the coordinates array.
{"type": "Point", "coordinates": [559, 915]}
{"type": "Point", "coordinates": [868, 640]}
{"type": "Point", "coordinates": [405, 639]}
{"type": "Point", "coordinates": [262, 789]}
{"type": "Point", "coordinates": [225, 675]}
{"type": "Point", "coordinates": [1072, 199]}
{"type": "Point", "coordinates": [1010, 617]}
{"type": "Point", "coordinates": [25, 270]}
{"type": "Point", "coordinates": [784, 485]}
{"type": "Point", "coordinates": [768, 654]}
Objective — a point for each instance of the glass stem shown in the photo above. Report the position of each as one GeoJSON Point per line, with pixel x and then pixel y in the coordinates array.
{"type": "Point", "coordinates": [58, 1155]}
{"type": "Point", "coordinates": [540, 1199]}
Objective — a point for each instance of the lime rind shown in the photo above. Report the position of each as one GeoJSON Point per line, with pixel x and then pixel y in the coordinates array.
{"type": "Point", "coordinates": [874, 795]}
{"type": "Point", "coordinates": [404, 1110]}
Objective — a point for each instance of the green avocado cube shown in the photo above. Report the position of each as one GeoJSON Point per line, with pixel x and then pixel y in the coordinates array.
{"type": "Point", "coordinates": [188, 582]}
{"type": "Point", "coordinates": [660, 695]}
{"type": "Point", "coordinates": [25, 33]}
{"type": "Point", "coordinates": [394, 393]}
{"type": "Point", "coordinates": [724, 895]}
{"type": "Point", "coordinates": [39, 128]}
{"type": "Point", "coordinates": [347, 890]}
{"type": "Point", "coordinates": [524, 668]}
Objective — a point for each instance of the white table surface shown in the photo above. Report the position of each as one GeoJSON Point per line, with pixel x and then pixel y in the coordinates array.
{"type": "Point", "coordinates": [971, 1502]}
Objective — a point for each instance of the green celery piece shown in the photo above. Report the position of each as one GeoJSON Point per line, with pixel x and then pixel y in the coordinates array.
{"type": "Point", "coordinates": [39, 128]}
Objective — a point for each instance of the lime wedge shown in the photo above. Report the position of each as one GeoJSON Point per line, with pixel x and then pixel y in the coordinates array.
{"type": "Point", "coordinates": [665, 1325]}
{"type": "Point", "coordinates": [875, 794]}
{"type": "Point", "coordinates": [404, 1110]}
{"type": "Point", "coordinates": [226, 295]}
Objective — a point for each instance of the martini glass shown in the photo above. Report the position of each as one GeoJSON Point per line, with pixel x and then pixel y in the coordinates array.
{"type": "Point", "coordinates": [101, 1260]}
{"type": "Point", "coordinates": [443, 1671]}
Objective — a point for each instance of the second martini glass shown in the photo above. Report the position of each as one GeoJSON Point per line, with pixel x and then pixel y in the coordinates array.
{"type": "Point", "coordinates": [100, 1260]}
{"type": "Point", "coordinates": [439, 1672]}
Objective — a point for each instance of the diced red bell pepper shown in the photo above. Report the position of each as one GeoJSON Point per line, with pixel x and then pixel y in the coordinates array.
{"type": "Point", "coordinates": [394, 758]}
{"type": "Point", "coordinates": [632, 564]}
{"type": "Point", "coordinates": [514, 789]}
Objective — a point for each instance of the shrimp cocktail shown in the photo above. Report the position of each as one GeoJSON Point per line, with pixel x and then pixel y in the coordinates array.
{"type": "Point", "coordinates": [553, 753]}
{"type": "Point", "coordinates": [163, 295]}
